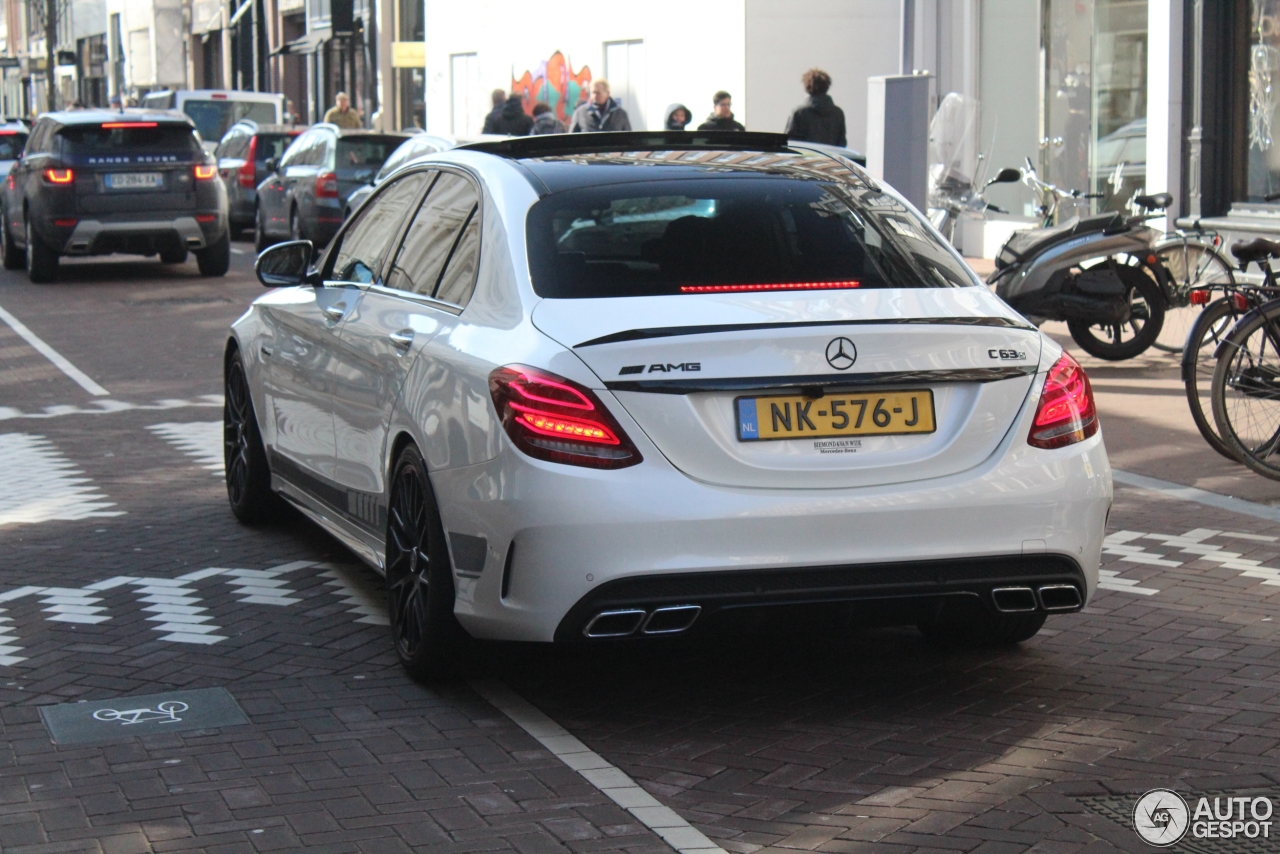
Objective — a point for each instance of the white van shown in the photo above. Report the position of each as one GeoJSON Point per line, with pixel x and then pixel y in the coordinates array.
{"type": "Point", "coordinates": [214, 110]}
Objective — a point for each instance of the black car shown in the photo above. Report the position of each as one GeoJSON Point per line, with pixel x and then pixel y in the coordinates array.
{"type": "Point", "coordinates": [94, 182]}
{"type": "Point", "coordinates": [242, 162]}
{"type": "Point", "coordinates": [306, 196]}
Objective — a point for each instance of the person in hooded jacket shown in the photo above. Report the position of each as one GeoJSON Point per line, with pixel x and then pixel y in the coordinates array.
{"type": "Point", "coordinates": [544, 120]}
{"type": "Point", "coordinates": [818, 119]}
{"type": "Point", "coordinates": [499, 98]}
{"type": "Point", "coordinates": [601, 113]}
{"type": "Point", "coordinates": [722, 117]}
{"type": "Point", "coordinates": [678, 117]}
{"type": "Point", "coordinates": [512, 120]}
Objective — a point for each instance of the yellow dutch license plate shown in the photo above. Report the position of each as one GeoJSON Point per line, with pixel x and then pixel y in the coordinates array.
{"type": "Point", "coordinates": [884, 413]}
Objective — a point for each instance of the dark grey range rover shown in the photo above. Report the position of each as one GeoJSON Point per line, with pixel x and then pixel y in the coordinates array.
{"type": "Point", "coordinates": [94, 182]}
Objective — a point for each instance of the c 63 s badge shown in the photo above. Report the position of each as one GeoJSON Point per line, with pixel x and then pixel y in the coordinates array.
{"type": "Point", "coordinates": [1007, 355]}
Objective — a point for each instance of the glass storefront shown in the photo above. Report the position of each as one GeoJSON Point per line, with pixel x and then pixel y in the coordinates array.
{"type": "Point", "coordinates": [1264, 76]}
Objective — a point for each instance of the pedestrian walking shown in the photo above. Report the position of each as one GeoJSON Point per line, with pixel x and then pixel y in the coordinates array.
{"type": "Point", "coordinates": [343, 114]}
{"type": "Point", "coordinates": [544, 120]}
{"type": "Point", "coordinates": [499, 98]}
{"type": "Point", "coordinates": [678, 117]}
{"type": "Point", "coordinates": [818, 119]}
{"type": "Point", "coordinates": [511, 119]}
{"type": "Point", "coordinates": [601, 113]}
{"type": "Point", "coordinates": [721, 117]}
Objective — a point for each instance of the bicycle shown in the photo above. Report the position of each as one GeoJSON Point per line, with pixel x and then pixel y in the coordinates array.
{"type": "Point", "coordinates": [1192, 262]}
{"type": "Point", "coordinates": [1246, 380]}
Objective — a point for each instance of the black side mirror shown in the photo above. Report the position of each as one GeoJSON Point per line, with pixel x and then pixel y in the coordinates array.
{"type": "Point", "coordinates": [1007, 175]}
{"type": "Point", "coordinates": [272, 165]}
{"type": "Point", "coordinates": [287, 264]}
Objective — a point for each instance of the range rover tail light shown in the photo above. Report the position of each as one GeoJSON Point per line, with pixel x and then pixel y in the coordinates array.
{"type": "Point", "coordinates": [1066, 413]}
{"type": "Point", "coordinates": [249, 171]}
{"type": "Point", "coordinates": [554, 419]}
{"type": "Point", "coordinates": [326, 185]}
{"type": "Point", "coordinates": [206, 172]}
{"type": "Point", "coordinates": [59, 176]}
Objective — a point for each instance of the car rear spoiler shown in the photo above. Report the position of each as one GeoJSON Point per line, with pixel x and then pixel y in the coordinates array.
{"type": "Point", "coordinates": [552, 145]}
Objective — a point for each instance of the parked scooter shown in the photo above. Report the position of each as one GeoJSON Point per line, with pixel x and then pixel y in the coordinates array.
{"type": "Point", "coordinates": [953, 196]}
{"type": "Point", "coordinates": [1098, 273]}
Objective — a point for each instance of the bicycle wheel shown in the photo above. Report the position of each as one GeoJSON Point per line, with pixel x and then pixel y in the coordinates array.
{"type": "Point", "coordinates": [1210, 327]}
{"type": "Point", "coordinates": [1190, 266]}
{"type": "Point", "coordinates": [1246, 391]}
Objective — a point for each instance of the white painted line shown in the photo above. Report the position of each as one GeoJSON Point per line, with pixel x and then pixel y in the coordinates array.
{"type": "Point", "coordinates": [102, 407]}
{"type": "Point", "coordinates": [39, 484]}
{"type": "Point", "coordinates": [199, 439]}
{"type": "Point", "coordinates": [620, 788]}
{"type": "Point", "coordinates": [1199, 496]}
{"type": "Point", "coordinates": [59, 361]}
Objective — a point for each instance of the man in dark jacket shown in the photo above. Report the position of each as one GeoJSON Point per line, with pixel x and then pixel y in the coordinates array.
{"type": "Point", "coordinates": [544, 120]}
{"type": "Point", "coordinates": [722, 117]}
{"type": "Point", "coordinates": [600, 113]}
{"type": "Point", "coordinates": [818, 119]}
{"type": "Point", "coordinates": [499, 98]}
{"type": "Point", "coordinates": [512, 120]}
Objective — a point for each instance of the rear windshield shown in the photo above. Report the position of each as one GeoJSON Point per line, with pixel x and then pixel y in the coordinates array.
{"type": "Point", "coordinates": [215, 118]}
{"type": "Point", "coordinates": [748, 233]}
{"type": "Point", "coordinates": [93, 139]}
{"type": "Point", "coordinates": [11, 143]}
{"type": "Point", "coordinates": [273, 144]}
{"type": "Point", "coordinates": [363, 153]}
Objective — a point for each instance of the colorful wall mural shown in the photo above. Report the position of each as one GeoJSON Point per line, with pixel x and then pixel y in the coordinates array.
{"type": "Point", "coordinates": [555, 82]}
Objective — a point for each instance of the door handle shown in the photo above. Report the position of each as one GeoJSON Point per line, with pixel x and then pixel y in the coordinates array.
{"type": "Point", "coordinates": [265, 350]}
{"type": "Point", "coordinates": [402, 340]}
{"type": "Point", "coordinates": [335, 312]}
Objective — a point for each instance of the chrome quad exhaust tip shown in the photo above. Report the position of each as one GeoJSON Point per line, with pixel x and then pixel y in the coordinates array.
{"type": "Point", "coordinates": [1014, 600]}
{"type": "Point", "coordinates": [671, 620]}
{"type": "Point", "coordinates": [624, 622]}
{"type": "Point", "coordinates": [1059, 597]}
{"type": "Point", "coordinates": [614, 624]}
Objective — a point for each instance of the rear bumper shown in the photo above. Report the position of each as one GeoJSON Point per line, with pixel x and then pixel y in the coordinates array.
{"type": "Point", "coordinates": [139, 233]}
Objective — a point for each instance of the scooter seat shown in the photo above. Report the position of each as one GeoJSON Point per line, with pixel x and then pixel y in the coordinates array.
{"type": "Point", "coordinates": [1157, 201]}
{"type": "Point", "coordinates": [1024, 244]}
{"type": "Point", "coordinates": [1257, 249]}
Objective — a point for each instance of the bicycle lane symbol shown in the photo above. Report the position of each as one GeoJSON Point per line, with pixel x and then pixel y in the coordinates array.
{"type": "Point", "coordinates": [164, 713]}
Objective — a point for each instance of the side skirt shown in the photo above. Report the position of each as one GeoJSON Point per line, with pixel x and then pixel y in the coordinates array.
{"type": "Point", "coordinates": [365, 545]}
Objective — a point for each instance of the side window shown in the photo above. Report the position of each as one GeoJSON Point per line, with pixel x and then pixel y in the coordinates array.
{"type": "Point", "coordinates": [441, 235]}
{"type": "Point", "coordinates": [324, 151]}
{"type": "Point", "coordinates": [38, 144]}
{"type": "Point", "coordinates": [294, 154]}
{"type": "Point", "coordinates": [363, 244]}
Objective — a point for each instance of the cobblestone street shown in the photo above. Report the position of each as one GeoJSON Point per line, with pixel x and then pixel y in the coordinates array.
{"type": "Point", "coordinates": [123, 574]}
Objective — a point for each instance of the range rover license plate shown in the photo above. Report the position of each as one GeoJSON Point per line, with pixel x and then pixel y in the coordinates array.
{"type": "Point", "coordinates": [882, 413]}
{"type": "Point", "coordinates": [134, 180]}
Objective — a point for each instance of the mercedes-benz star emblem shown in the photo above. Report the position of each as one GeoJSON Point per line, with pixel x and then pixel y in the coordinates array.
{"type": "Point", "coordinates": [841, 354]}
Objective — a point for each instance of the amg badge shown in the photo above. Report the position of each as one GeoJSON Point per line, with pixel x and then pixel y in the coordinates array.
{"type": "Point", "coordinates": [661, 369]}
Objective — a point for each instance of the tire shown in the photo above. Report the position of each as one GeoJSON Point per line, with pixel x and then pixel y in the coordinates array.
{"type": "Point", "coordinates": [174, 256]}
{"type": "Point", "coordinates": [260, 239]}
{"type": "Point", "coordinates": [215, 259]}
{"type": "Point", "coordinates": [1246, 391]}
{"type": "Point", "coordinates": [1147, 306]}
{"type": "Point", "coordinates": [1211, 326]}
{"type": "Point", "coordinates": [420, 595]}
{"type": "Point", "coordinates": [1190, 266]}
{"type": "Point", "coordinates": [14, 258]}
{"type": "Point", "coordinates": [248, 473]}
{"type": "Point", "coordinates": [42, 262]}
{"type": "Point", "coordinates": [981, 630]}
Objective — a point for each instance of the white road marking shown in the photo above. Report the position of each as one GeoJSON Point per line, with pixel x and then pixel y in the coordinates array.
{"type": "Point", "coordinates": [371, 605]}
{"type": "Point", "coordinates": [59, 361]}
{"type": "Point", "coordinates": [1194, 543]}
{"type": "Point", "coordinates": [199, 439]}
{"type": "Point", "coordinates": [108, 406]}
{"type": "Point", "coordinates": [71, 605]}
{"type": "Point", "coordinates": [609, 779]}
{"type": "Point", "coordinates": [39, 484]}
{"type": "Point", "coordinates": [8, 643]}
{"type": "Point", "coordinates": [1109, 579]}
{"type": "Point", "coordinates": [1199, 496]}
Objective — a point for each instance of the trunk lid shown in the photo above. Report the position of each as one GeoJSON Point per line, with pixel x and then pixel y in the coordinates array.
{"type": "Point", "coordinates": [681, 366]}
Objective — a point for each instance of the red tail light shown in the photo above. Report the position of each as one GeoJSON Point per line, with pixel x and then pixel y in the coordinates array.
{"type": "Point", "coordinates": [249, 171]}
{"type": "Point", "coordinates": [1066, 413]}
{"type": "Point", "coordinates": [59, 176]}
{"type": "Point", "coordinates": [206, 172]}
{"type": "Point", "coordinates": [1200, 297]}
{"type": "Point", "coordinates": [1240, 301]}
{"type": "Point", "coordinates": [554, 419]}
{"type": "Point", "coordinates": [326, 186]}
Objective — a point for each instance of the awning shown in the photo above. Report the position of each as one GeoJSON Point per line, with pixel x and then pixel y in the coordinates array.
{"type": "Point", "coordinates": [310, 43]}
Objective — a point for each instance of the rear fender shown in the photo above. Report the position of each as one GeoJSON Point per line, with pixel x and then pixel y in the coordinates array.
{"type": "Point", "coordinates": [1033, 277]}
{"type": "Point", "coordinates": [1270, 311]}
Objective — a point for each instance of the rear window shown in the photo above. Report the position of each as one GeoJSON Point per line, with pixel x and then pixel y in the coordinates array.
{"type": "Point", "coordinates": [405, 153]}
{"type": "Point", "coordinates": [273, 144]}
{"type": "Point", "coordinates": [95, 139]}
{"type": "Point", "coordinates": [363, 153]}
{"type": "Point", "coordinates": [749, 233]}
{"type": "Point", "coordinates": [11, 143]}
{"type": "Point", "coordinates": [214, 118]}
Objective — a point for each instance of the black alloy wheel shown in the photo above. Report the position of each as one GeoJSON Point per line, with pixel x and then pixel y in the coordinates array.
{"type": "Point", "coordinates": [247, 471]}
{"type": "Point", "coordinates": [42, 262]}
{"type": "Point", "coordinates": [14, 258]}
{"type": "Point", "coordinates": [420, 593]}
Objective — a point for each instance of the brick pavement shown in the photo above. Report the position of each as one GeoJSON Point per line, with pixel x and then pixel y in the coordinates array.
{"type": "Point", "coordinates": [836, 741]}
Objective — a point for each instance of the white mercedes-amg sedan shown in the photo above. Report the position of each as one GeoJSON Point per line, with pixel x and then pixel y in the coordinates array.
{"type": "Point", "coordinates": [628, 386]}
